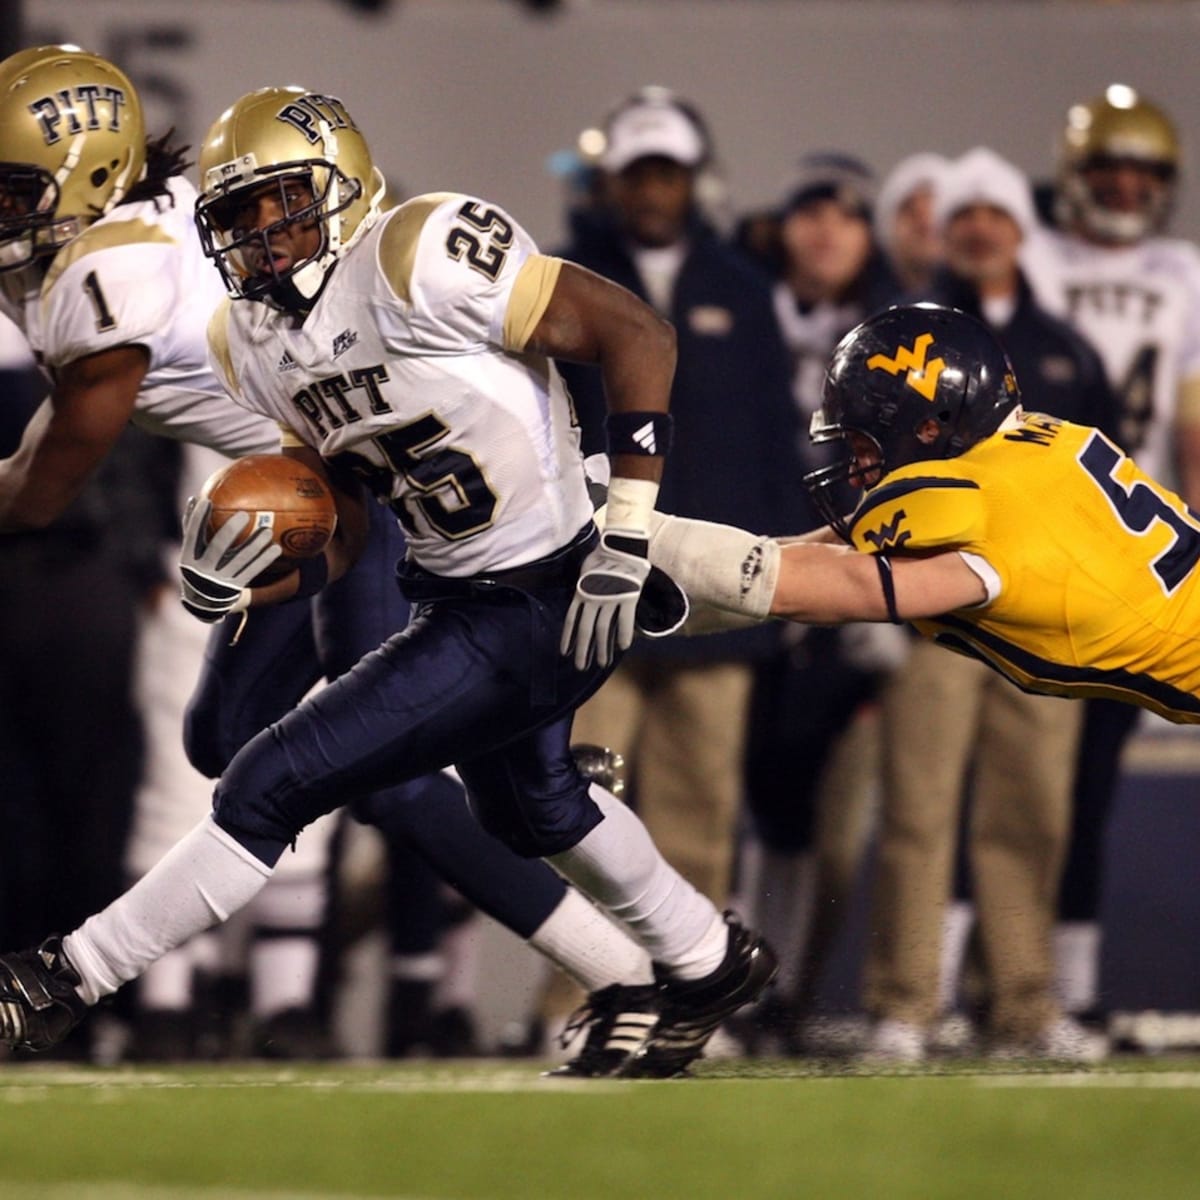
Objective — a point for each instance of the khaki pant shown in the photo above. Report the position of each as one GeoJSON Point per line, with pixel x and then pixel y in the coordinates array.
{"type": "Point", "coordinates": [945, 716]}
{"type": "Point", "coordinates": [681, 729]}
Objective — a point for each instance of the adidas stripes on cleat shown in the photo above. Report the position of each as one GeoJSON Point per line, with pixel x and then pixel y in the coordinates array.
{"type": "Point", "coordinates": [692, 1009]}
{"type": "Point", "coordinates": [621, 1019]}
{"type": "Point", "coordinates": [39, 1005]}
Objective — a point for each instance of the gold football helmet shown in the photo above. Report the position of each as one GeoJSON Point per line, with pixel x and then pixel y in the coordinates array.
{"type": "Point", "coordinates": [266, 143]}
{"type": "Point", "coordinates": [72, 144]}
{"type": "Point", "coordinates": [1119, 127]}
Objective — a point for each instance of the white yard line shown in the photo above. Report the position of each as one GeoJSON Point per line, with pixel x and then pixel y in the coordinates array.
{"type": "Point", "coordinates": [158, 1191]}
{"type": "Point", "coordinates": [1171, 1080]}
{"type": "Point", "coordinates": [34, 1086]}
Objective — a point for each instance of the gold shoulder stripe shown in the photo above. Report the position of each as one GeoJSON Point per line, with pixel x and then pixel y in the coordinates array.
{"type": "Point", "coordinates": [289, 438]}
{"type": "Point", "coordinates": [398, 242]}
{"type": "Point", "coordinates": [218, 344]}
{"type": "Point", "coordinates": [529, 298]}
{"type": "Point", "coordinates": [102, 237]}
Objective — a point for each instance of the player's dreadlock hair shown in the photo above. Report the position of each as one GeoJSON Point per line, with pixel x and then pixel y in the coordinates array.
{"type": "Point", "coordinates": [164, 160]}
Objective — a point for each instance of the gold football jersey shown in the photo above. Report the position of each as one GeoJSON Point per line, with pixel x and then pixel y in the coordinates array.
{"type": "Point", "coordinates": [1096, 563]}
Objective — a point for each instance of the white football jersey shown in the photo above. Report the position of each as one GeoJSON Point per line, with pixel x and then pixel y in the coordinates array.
{"type": "Point", "coordinates": [1139, 306]}
{"type": "Point", "coordinates": [138, 276]}
{"type": "Point", "coordinates": [413, 362]}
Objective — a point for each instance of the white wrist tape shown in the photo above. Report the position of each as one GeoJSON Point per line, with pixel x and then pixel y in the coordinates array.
{"type": "Point", "coordinates": [718, 564]}
{"type": "Point", "coordinates": [630, 504]}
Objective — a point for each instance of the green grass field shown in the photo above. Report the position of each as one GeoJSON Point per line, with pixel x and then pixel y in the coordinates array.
{"type": "Point", "coordinates": [492, 1130]}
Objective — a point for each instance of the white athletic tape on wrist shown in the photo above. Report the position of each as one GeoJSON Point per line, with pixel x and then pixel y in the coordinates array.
{"type": "Point", "coordinates": [718, 564]}
{"type": "Point", "coordinates": [630, 504]}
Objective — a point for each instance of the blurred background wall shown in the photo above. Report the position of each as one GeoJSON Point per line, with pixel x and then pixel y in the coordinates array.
{"type": "Point", "coordinates": [474, 95]}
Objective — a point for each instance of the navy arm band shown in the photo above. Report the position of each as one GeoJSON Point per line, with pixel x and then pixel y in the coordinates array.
{"type": "Point", "coordinates": [638, 432]}
{"type": "Point", "coordinates": [884, 565]}
{"type": "Point", "coordinates": [314, 574]}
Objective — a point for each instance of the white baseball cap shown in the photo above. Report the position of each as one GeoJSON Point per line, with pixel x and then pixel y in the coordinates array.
{"type": "Point", "coordinates": [652, 129]}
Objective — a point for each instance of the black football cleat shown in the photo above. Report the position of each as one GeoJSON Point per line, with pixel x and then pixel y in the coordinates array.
{"type": "Point", "coordinates": [39, 1005]}
{"type": "Point", "coordinates": [621, 1019]}
{"type": "Point", "coordinates": [692, 1009]}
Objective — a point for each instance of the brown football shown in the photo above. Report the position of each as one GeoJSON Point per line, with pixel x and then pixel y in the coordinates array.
{"type": "Point", "coordinates": [284, 495]}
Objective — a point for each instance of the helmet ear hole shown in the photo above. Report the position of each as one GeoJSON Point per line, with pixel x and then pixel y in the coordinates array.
{"type": "Point", "coordinates": [82, 176]}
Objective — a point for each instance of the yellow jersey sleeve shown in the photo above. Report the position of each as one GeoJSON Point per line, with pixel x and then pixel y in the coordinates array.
{"type": "Point", "coordinates": [920, 509]}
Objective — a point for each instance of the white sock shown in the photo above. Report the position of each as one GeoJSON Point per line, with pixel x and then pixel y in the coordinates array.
{"type": "Point", "coordinates": [618, 865]}
{"type": "Point", "coordinates": [285, 953]}
{"type": "Point", "coordinates": [204, 878]}
{"type": "Point", "coordinates": [418, 968]}
{"type": "Point", "coordinates": [957, 923]}
{"type": "Point", "coordinates": [582, 941]}
{"type": "Point", "coordinates": [283, 973]}
{"type": "Point", "coordinates": [1077, 964]}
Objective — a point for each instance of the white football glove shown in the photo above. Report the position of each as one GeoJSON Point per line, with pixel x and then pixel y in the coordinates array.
{"type": "Point", "coordinates": [603, 611]}
{"type": "Point", "coordinates": [215, 577]}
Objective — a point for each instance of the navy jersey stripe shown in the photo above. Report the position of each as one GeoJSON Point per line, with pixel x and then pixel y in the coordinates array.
{"type": "Point", "coordinates": [889, 492]}
{"type": "Point", "coordinates": [1144, 689]}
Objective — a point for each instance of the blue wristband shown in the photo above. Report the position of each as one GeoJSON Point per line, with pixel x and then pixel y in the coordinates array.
{"type": "Point", "coordinates": [314, 574]}
{"type": "Point", "coordinates": [884, 566]}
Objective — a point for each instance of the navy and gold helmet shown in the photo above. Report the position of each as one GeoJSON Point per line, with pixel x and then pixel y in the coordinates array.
{"type": "Point", "coordinates": [918, 381]}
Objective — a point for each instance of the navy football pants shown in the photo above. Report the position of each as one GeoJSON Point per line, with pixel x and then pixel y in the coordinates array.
{"type": "Point", "coordinates": [283, 651]}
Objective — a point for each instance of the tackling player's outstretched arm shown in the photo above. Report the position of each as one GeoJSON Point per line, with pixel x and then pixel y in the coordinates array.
{"type": "Point", "coordinates": [70, 435]}
{"type": "Point", "coordinates": [815, 582]}
{"type": "Point", "coordinates": [824, 584]}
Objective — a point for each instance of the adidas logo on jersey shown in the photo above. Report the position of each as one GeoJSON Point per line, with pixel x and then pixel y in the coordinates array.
{"type": "Point", "coordinates": [645, 438]}
{"type": "Point", "coordinates": [287, 362]}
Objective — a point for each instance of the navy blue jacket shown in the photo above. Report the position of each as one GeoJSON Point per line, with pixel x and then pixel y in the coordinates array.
{"type": "Point", "coordinates": [733, 458]}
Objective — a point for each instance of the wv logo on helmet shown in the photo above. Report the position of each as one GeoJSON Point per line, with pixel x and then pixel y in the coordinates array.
{"type": "Point", "coordinates": [922, 377]}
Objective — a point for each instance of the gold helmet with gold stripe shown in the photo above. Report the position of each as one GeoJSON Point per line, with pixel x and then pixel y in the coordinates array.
{"type": "Point", "coordinates": [72, 144]}
{"type": "Point", "coordinates": [270, 140]}
{"type": "Point", "coordinates": [1118, 130]}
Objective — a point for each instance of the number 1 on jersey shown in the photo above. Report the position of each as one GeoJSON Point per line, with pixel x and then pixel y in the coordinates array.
{"type": "Point", "coordinates": [104, 318]}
